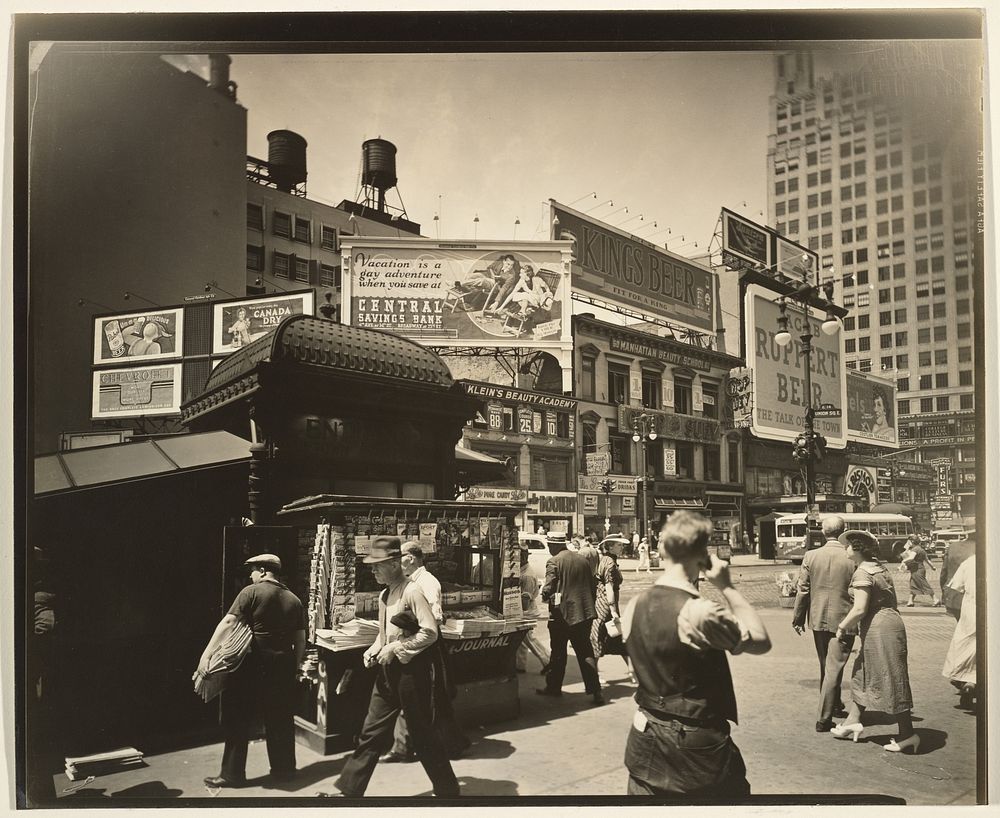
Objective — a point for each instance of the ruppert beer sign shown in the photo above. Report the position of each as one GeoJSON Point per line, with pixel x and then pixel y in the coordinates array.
{"type": "Point", "coordinates": [616, 267]}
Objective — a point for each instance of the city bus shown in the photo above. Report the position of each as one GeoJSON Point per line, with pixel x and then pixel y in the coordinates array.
{"type": "Point", "coordinates": [890, 529]}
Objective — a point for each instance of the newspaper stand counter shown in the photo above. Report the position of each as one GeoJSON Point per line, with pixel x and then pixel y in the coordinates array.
{"type": "Point", "coordinates": [471, 548]}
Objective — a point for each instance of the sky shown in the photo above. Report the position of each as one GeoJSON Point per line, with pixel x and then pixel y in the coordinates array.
{"type": "Point", "coordinates": [670, 136]}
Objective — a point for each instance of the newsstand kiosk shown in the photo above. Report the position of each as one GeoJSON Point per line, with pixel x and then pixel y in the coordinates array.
{"type": "Point", "coordinates": [355, 433]}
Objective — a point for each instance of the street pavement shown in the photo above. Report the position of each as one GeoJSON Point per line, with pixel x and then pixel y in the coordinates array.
{"type": "Point", "coordinates": [567, 747]}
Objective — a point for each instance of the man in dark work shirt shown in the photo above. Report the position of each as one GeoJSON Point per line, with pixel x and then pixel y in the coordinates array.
{"type": "Point", "coordinates": [265, 680]}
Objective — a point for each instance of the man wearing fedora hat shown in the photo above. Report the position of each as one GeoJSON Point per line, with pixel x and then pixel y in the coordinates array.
{"type": "Point", "coordinates": [264, 682]}
{"type": "Point", "coordinates": [569, 590]}
{"type": "Point", "coordinates": [403, 682]}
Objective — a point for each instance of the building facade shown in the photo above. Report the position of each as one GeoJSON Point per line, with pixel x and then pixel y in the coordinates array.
{"type": "Point", "coordinates": [874, 167]}
{"type": "Point", "coordinates": [137, 184]}
{"type": "Point", "coordinates": [622, 374]}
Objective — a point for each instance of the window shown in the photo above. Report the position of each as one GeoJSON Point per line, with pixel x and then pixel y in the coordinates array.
{"type": "Point", "coordinates": [900, 315]}
{"type": "Point", "coordinates": [939, 309]}
{"type": "Point", "coordinates": [813, 222]}
{"type": "Point", "coordinates": [861, 211]}
{"type": "Point", "coordinates": [588, 377]}
{"type": "Point", "coordinates": [793, 185]}
{"type": "Point", "coordinates": [617, 384]}
{"type": "Point", "coordinates": [329, 276]}
{"type": "Point", "coordinates": [965, 402]}
{"type": "Point", "coordinates": [303, 230]}
{"type": "Point", "coordinates": [824, 175]}
{"type": "Point", "coordinates": [885, 341]}
{"type": "Point", "coordinates": [941, 380]}
{"type": "Point", "coordinates": [779, 188]}
{"type": "Point", "coordinates": [864, 343]}
{"type": "Point", "coordinates": [849, 323]}
{"type": "Point", "coordinates": [682, 395]}
{"type": "Point", "coordinates": [826, 240]}
{"type": "Point", "coordinates": [588, 432]}
{"type": "Point", "coordinates": [846, 236]}
{"type": "Point", "coordinates": [282, 224]}
{"type": "Point", "coordinates": [884, 295]}
{"type": "Point", "coordinates": [923, 289]}
{"type": "Point", "coordinates": [861, 277]}
{"type": "Point", "coordinates": [255, 216]}
{"type": "Point", "coordinates": [961, 236]}
{"type": "Point", "coordinates": [652, 389]}
{"type": "Point", "coordinates": [733, 448]}
{"type": "Point", "coordinates": [941, 333]}
{"type": "Point", "coordinates": [710, 400]}
{"type": "Point", "coordinates": [902, 361]}
{"type": "Point", "coordinates": [302, 270]}
{"type": "Point", "coordinates": [280, 264]}
{"type": "Point", "coordinates": [621, 453]}
{"type": "Point", "coordinates": [550, 471]}
{"type": "Point", "coordinates": [903, 407]}
{"type": "Point", "coordinates": [899, 270]}
{"type": "Point", "coordinates": [901, 339]}
{"type": "Point", "coordinates": [919, 176]}
{"type": "Point", "coordinates": [863, 321]}
{"type": "Point", "coordinates": [865, 365]}
{"type": "Point", "coordinates": [884, 273]}
{"type": "Point", "coordinates": [887, 362]}
{"type": "Point", "coordinates": [884, 317]}
{"type": "Point", "coordinates": [860, 189]}
{"type": "Point", "coordinates": [943, 403]}
{"type": "Point", "coordinates": [903, 384]}
{"type": "Point", "coordinates": [963, 330]}
{"type": "Point", "coordinates": [923, 312]}
{"type": "Point", "coordinates": [826, 219]}
{"type": "Point", "coordinates": [711, 462]}
{"type": "Point", "coordinates": [964, 354]}
{"type": "Point", "coordinates": [849, 346]}
{"type": "Point", "coordinates": [927, 405]}
{"type": "Point", "coordinates": [962, 306]}
{"type": "Point", "coordinates": [925, 357]}
{"type": "Point", "coordinates": [685, 458]}
{"type": "Point", "coordinates": [861, 255]}
{"type": "Point", "coordinates": [825, 197]}
{"type": "Point", "coordinates": [845, 192]}
{"type": "Point", "coordinates": [924, 336]}
{"type": "Point", "coordinates": [961, 283]}
{"type": "Point", "coordinates": [859, 167]}
{"type": "Point", "coordinates": [847, 257]}
{"type": "Point", "coordinates": [962, 259]}
{"type": "Point", "coordinates": [328, 238]}
{"type": "Point", "coordinates": [793, 205]}
{"type": "Point", "coordinates": [938, 286]}
{"type": "Point", "coordinates": [255, 258]}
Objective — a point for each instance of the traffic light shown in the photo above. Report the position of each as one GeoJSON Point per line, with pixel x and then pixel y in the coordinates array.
{"type": "Point", "coordinates": [800, 448]}
{"type": "Point", "coordinates": [819, 445]}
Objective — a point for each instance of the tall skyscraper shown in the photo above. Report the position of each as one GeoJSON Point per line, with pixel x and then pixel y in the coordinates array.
{"type": "Point", "coordinates": [873, 162]}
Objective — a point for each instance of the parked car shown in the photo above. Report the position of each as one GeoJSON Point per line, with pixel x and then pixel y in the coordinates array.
{"type": "Point", "coordinates": [538, 552]}
{"type": "Point", "coordinates": [942, 538]}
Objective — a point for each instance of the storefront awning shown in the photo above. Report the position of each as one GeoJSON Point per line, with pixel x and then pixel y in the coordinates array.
{"type": "Point", "coordinates": [724, 500]}
{"type": "Point", "coordinates": [475, 467]}
{"type": "Point", "coordinates": [677, 502]}
{"type": "Point", "coordinates": [84, 468]}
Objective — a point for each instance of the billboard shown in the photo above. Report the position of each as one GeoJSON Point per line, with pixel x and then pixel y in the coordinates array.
{"type": "Point", "coordinates": [794, 261]}
{"type": "Point", "coordinates": [138, 391]}
{"type": "Point", "coordinates": [236, 323]}
{"type": "Point", "coordinates": [618, 268]}
{"type": "Point", "coordinates": [778, 383]}
{"type": "Point", "coordinates": [452, 293]}
{"type": "Point", "coordinates": [871, 405]}
{"type": "Point", "coordinates": [150, 336]}
{"type": "Point", "coordinates": [746, 245]}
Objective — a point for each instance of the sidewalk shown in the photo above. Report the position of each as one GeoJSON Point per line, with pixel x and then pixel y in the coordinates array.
{"type": "Point", "coordinates": [566, 747]}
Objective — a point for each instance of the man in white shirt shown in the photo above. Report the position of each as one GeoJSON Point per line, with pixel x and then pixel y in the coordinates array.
{"type": "Point", "coordinates": [404, 680]}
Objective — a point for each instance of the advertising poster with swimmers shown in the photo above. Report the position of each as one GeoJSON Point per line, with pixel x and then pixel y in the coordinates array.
{"type": "Point", "coordinates": [447, 293]}
{"type": "Point", "coordinates": [871, 405]}
{"type": "Point", "coordinates": [779, 390]}
{"type": "Point", "coordinates": [238, 323]}
{"type": "Point", "coordinates": [138, 336]}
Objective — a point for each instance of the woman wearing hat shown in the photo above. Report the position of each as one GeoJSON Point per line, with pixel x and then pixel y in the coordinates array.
{"type": "Point", "coordinates": [915, 560]}
{"type": "Point", "coordinates": [880, 680]}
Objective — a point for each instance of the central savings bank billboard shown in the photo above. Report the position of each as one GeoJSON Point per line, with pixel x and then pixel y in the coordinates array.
{"type": "Point", "coordinates": [459, 293]}
{"type": "Point", "coordinates": [615, 267]}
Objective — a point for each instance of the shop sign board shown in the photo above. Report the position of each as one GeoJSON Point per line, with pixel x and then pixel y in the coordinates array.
{"type": "Point", "coordinates": [495, 495]}
{"type": "Point", "coordinates": [237, 323]}
{"type": "Point", "coordinates": [794, 261]}
{"type": "Point", "coordinates": [669, 459]}
{"type": "Point", "coordinates": [623, 484]}
{"type": "Point", "coordinates": [673, 426]}
{"type": "Point", "coordinates": [739, 398]}
{"type": "Point", "coordinates": [517, 396]}
{"type": "Point", "coordinates": [449, 293]}
{"type": "Point", "coordinates": [138, 391]}
{"type": "Point", "coordinates": [597, 463]}
{"type": "Point", "coordinates": [746, 245]}
{"type": "Point", "coordinates": [778, 384]}
{"type": "Point", "coordinates": [628, 505]}
{"type": "Point", "coordinates": [590, 502]}
{"type": "Point", "coordinates": [524, 416]}
{"type": "Point", "coordinates": [139, 337]}
{"type": "Point", "coordinates": [871, 404]}
{"type": "Point", "coordinates": [552, 502]}
{"type": "Point", "coordinates": [621, 269]}
{"type": "Point", "coordinates": [495, 415]}
{"type": "Point", "coordinates": [645, 349]}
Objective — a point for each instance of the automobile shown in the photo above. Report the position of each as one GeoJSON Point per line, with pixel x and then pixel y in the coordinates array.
{"type": "Point", "coordinates": [944, 537]}
{"type": "Point", "coordinates": [538, 552]}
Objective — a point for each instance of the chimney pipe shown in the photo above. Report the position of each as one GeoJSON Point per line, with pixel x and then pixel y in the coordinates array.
{"type": "Point", "coordinates": [218, 75]}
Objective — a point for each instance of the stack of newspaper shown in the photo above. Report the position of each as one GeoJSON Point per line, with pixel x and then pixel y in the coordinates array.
{"type": "Point", "coordinates": [102, 763]}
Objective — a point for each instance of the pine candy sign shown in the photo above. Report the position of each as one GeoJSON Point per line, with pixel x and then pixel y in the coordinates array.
{"type": "Point", "coordinates": [778, 383]}
{"type": "Point", "coordinates": [447, 293]}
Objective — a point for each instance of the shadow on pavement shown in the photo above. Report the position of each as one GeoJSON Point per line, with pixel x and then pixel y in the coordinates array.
{"type": "Point", "coordinates": [489, 748]}
{"type": "Point", "coordinates": [305, 779]}
{"type": "Point", "coordinates": [148, 789]}
{"type": "Point", "coordinates": [478, 787]}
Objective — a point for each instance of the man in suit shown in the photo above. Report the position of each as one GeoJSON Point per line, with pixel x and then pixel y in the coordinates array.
{"type": "Point", "coordinates": [822, 595]}
{"type": "Point", "coordinates": [569, 590]}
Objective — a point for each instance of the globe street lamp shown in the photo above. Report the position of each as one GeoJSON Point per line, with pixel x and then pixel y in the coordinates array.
{"type": "Point", "coordinates": [809, 445]}
{"type": "Point", "coordinates": [607, 486]}
{"type": "Point", "coordinates": [643, 430]}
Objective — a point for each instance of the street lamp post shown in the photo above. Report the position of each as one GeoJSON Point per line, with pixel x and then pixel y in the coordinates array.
{"type": "Point", "coordinates": [643, 430]}
{"type": "Point", "coordinates": [808, 447]}
{"type": "Point", "coordinates": [607, 486]}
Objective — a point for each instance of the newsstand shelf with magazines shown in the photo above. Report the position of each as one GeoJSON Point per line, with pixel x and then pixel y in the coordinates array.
{"type": "Point", "coordinates": [472, 550]}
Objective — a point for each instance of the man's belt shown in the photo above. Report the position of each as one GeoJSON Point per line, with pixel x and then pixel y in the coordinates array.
{"type": "Point", "coordinates": [660, 707]}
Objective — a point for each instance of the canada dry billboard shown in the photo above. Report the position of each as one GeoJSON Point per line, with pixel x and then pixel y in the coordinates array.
{"type": "Point", "coordinates": [871, 404]}
{"type": "Point", "coordinates": [236, 323]}
{"type": "Point", "coordinates": [621, 269]}
{"type": "Point", "coordinates": [140, 391]}
{"type": "Point", "coordinates": [779, 399]}
{"type": "Point", "coordinates": [448, 293]}
{"type": "Point", "coordinates": [149, 336]}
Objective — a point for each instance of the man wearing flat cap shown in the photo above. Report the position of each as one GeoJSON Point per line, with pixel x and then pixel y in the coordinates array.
{"type": "Point", "coordinates": [264, 682]}
{"type": "Point", "coordinates": [403, 682]}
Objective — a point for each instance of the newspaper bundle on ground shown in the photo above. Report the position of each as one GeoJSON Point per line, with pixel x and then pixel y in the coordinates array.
{"type": "Point", "coordinates": [102, 763]}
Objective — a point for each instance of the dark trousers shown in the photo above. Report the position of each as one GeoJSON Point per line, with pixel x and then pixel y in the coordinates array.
{"type": "Point", "coordinates": [264, 686]}
{"type": "Point", "coordinates": [578, 636]}
{"type": "Point", "coordinates": [406, 688]}
{"type": "Point", "coordinates": [832, 655]}
{"type": "Point", "coordinates": [445, 723]}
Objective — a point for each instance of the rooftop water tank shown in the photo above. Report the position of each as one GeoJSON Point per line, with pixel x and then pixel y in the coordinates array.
{"type": "Point", "coordinates": [379, 163]}
{"type": "Point", "coordinates": [286, 159]}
